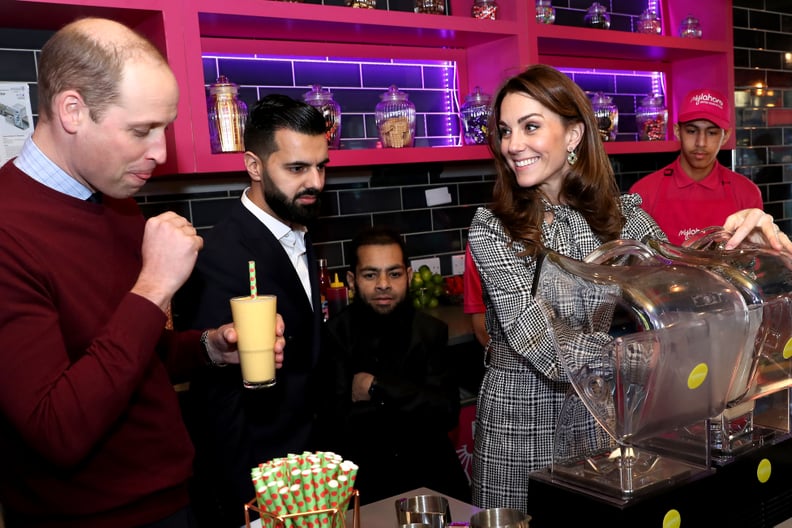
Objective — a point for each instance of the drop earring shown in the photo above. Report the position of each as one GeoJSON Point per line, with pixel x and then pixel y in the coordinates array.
{"type": "Point", "coordinates": [572, 157]}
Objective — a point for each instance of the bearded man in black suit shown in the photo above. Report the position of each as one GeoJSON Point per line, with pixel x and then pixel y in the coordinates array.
{"type": "Point", "coordinates": [236, 429]}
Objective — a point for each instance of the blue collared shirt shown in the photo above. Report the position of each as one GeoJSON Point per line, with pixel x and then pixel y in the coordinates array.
{"type": "Point", "coordinates": [38, 166]}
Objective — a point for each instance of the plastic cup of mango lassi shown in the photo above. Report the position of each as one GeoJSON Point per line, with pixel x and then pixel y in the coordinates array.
{"type": "Point", "coordinates": [254, 321]}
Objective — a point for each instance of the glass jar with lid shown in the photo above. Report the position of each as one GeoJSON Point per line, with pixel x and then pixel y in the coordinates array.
{"type": "Point", "coordinates": [433, 7]}
{"type": "Point", "coordinates": [331, 111]}
{"type": "Point", "coordinates": [545, 12]}
{"type": "Point", "coordinates": [649, 24]}
{"type": "Point", "coordinates": [597, 16]}
{"type": "Point", "coordinates": [484, 9]}
{"type": "Point", "coordinates": [607, 114]}
{"type": "Point", "coordinates": [690, 28]}
{"type": "Point", "coordinates": [395, 118]}
{"type": "Point", "coordinates": [227, 116]}
{"type": "Point", "coordinates": [475, 117]}
{"type": "Point", "coordinates": [363, 4]}
{"type": "Point", "coordinates": [652, 118]}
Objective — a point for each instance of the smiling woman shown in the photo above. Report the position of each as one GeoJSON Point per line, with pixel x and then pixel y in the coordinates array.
{"type": "Point", "coordinates": [555, 189]}
{"type": "Point", "coordinates": [537, 143]}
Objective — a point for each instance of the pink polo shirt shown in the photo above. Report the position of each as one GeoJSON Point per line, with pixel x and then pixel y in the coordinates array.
{"type": "Point", "coordinates": [681, 206]}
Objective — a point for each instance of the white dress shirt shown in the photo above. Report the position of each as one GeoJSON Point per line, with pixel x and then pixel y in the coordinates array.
{"type": "Point", "coordinates": [292, 240]}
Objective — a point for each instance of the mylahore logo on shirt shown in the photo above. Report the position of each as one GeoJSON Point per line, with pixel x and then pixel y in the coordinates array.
{"type": "Point", "coordinates": [686, 233]}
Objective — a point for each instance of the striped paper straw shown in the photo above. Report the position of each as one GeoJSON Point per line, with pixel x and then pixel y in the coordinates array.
{"type": "Point", "coordinates": [252, 272]}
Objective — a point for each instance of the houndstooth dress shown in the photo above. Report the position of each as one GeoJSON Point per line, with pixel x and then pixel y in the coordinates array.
{"type": "Point", "coordinates": [524, 385]}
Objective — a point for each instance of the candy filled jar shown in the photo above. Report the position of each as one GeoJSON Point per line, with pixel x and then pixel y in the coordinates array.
{"type": "Point", "coordinates": [484, 9]}
{"type": "Point", "coordinates": [649, 24]}
{"type": "Point", "coordinates": [597, 17]}
{"type": "Point", "coordinates": [690, 28]}
{"type": "Point", "coordinates": [395, 118]}
{"type": "Point", "coordinates": [545, 12]}
{"type": "Point", "coordinates": [362, 4]}
{"type": "Point", "coordinates": [652, 118]}
{"type": "Point", "coordinates": [475, 116]}
{"type": "Point", "coordinates": [434, 7]}
{"type": "Point", "coordinates": [331, 111]}
{"type": "Point", "coordinates": [227, 116]}
{"type": "Point", "coordinates": [607, 114]}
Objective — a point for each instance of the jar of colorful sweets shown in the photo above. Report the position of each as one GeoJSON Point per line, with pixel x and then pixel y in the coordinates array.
{"type": "Point", "coordinates": [652, 118]}
{"type": "Point", "coordinates": [475, 116]}
{"type": "Point", "coordinates": [545, 12]}
{"type": "Point", "coordinates": [322, 99]}
{"type": "Point", "coordinates": [607, 114]}
{"type": "Point", "coordinates": [485, 9]}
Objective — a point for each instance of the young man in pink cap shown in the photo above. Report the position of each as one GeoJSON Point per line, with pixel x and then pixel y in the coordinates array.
{"type": "Point", "coordinates": [696, 191]}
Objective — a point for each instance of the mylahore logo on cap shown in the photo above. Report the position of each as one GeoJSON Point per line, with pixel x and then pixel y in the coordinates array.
{"type": "Point", "coordinates": [707, 98]}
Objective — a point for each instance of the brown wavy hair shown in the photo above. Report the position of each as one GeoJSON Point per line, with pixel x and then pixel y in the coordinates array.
{"type": "Point", "coordinates": [590, 185]}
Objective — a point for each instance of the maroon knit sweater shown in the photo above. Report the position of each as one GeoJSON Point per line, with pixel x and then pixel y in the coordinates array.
{"type": "Point", "coordinates": [90, 428]}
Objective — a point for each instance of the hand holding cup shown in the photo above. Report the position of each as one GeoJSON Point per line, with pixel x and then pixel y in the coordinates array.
{"type": "Point", "coordinates": [222, 343]}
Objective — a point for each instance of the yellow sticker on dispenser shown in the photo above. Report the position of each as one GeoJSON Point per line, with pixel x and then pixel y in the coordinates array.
{"type": "Point", "coordinates": [788, 349]}
{"type": "Point", "coordinates": [672, 519]}
{"type": "Point", "coordinates": [763, 470]}
{"type": "Point", "coordinates": [697, 376]}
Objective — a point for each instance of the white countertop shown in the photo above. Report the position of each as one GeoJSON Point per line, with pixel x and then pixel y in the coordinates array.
{"type": "Point", "coordinates": [382, 514]}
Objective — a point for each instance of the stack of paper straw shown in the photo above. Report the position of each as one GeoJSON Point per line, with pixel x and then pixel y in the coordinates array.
{"type": "Point", "coordinates": [317, 486]}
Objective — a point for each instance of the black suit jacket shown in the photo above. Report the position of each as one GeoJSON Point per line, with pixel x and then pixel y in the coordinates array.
{"type": "Point", "coordinates": [236, 429]}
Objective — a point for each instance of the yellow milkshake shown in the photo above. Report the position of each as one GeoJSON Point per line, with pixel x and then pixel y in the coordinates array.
{"type": "Point", "coordinates": [254, 322]}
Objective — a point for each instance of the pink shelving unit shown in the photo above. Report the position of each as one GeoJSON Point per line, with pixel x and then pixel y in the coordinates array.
{"type": "Point", "coordinates": [486, 52]}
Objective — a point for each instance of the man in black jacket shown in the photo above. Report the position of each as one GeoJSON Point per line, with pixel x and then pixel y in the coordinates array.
{"type": "Point", "coordinates": [396, 397]}
{"type": "Point", "coordinates": [235, 429]}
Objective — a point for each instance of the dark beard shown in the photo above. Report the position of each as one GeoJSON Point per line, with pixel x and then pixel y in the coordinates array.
{"type": "Point", "coordinates": [289, 211]}
{"type": "Point", "coordinates": [402, 312]}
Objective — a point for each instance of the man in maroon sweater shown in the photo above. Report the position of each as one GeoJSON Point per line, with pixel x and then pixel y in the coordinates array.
{"type": "Point", "coordinates": [91, 433]}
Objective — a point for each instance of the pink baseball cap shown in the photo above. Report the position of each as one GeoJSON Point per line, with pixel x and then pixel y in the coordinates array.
{"type": "Point", "coordinates": [705, 104]}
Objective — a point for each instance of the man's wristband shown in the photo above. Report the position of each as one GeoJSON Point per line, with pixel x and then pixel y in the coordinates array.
{"type": "Point", "coordinates": [205, 345]}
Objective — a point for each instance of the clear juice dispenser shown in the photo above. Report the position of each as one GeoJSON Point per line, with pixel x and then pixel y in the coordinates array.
{"type": "Point", "coordinates": [649, 347]}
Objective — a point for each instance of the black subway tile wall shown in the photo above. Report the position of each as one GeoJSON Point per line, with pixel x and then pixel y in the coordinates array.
{"type": "Point", "coordinates": [370, 201]}
{"type": "Point", "coordinates": [763, 100]}
{"type": "Point", "coordinates": [395, 195]}
{"type": "Point", "coordinates": [406, 221]}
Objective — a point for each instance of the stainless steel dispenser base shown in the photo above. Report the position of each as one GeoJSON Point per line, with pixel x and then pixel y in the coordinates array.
{"type": "Point", "coordinates": [625, 475]}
